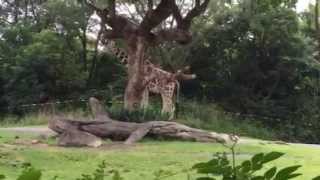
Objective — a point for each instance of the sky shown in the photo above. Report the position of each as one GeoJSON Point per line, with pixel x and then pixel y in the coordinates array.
{"type": "Point", "coordinates": [303, 4]}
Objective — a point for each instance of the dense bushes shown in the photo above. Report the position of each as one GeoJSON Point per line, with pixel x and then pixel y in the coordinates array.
{"type": "Point", "coordinates": [45, 55]}
{"type": "Point", "coordinates": [255, 59]}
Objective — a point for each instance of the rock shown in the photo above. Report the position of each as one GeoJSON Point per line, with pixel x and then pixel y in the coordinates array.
{"type": "Point", "coordinates": [35, 141]}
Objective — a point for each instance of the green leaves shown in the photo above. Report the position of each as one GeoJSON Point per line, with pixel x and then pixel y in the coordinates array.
{"type": "Point", "coordinates": [99, 173]}
{"type": "Point", "coordinates": [246, 166]}
{"type": "Point", "coordinates": [2, 176]}
{"type": "Point", "coordinates": [257, 161]}
{"type": "Point", "coordinates": [316, 178]}
{"type": "Point", "coordinates": [220, 166]}
{"type": "Point", "coordinates": [270, 173]}
{"type": "Point", "coordinates": [30, 174]}
{"type": "Point", "coordinates": [272, 156]}
{"type": "Point", "coordinates": [287, 173]}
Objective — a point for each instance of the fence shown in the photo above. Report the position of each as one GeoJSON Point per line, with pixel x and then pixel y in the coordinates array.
{"type": "Point", "coordinates": [71, 104]}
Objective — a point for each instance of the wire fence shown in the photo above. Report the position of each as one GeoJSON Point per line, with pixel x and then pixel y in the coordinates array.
{"type": "Point", "coordinates": [72, 104]}
{"type": "Point", "coordinates": [253, 116]}
{"type": "Point", "coordinates": [51, 107]}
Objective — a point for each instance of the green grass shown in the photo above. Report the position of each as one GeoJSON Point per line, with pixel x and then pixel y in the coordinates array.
{"type": "Point", "coordinates": [140, 161]}
{"type": "Point", "coordinates": [28, 120]}
{"type": "Point", "coordinates": [35, 118]}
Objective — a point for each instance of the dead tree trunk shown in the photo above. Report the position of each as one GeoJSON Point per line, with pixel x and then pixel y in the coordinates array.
{"type": "Point", "coordinates": [89, 133]}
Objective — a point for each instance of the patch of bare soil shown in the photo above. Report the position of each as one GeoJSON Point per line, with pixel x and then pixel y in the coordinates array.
{"type": "Point", "coordinates": [42, 143]}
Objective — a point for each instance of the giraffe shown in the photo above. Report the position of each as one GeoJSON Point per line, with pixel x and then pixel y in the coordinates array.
{"type": "Point", "coordinates": [158, 80]}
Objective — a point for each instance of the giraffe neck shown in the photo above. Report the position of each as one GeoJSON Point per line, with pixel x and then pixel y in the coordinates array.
{"type": "Point", "coordinates": [120, 54]}
{"type": "Point", "coordinates": [149, 68]}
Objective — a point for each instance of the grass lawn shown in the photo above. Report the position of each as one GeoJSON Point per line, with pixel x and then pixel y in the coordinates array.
{"type": "Point", "coordinates": [137, 162]}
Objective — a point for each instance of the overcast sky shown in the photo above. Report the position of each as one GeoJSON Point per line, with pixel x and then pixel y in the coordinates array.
{"type": "Point", "coordinates": [303, 4]}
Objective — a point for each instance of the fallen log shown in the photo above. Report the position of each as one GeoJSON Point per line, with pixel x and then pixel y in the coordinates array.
{"type": "Point", "coordinates": [89, 133]}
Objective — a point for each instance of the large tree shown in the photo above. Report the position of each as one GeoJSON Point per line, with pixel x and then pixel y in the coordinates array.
{"type": "Point", "coordinates": [148, 32]}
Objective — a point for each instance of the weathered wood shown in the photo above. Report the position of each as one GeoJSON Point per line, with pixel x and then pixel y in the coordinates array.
{"type": "Point", "coordinates": [80, 133]}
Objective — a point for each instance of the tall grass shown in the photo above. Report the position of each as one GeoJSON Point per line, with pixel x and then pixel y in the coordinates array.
{"type": "Point", "coordinates": [211, 117]}
{"type": "Point", "coordinates": [30, 119]}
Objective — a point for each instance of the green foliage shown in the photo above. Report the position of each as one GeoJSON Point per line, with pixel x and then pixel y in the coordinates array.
{"type": "Point", "coordinates": [255, 59]}
{"type": "Point", "coordinates": [47, 55]}
{"type": "Point", "coordinates": [42, 67]}
{"type": "Point", "coordinates": [316, 178]}
{"type": "Point", "coordinates": [100, 174]}
{"type": "Point", "coordinates": [97, 175]}
{"type": "Point", "coordinates": [220, 166]}
{"type": "Point", "coordinates": [30, 174]}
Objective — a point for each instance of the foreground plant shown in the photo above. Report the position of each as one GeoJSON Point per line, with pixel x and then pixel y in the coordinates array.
{"type": "Point", "coordinates": [252, 169]}
{"type": "Point", "coordinates": [29, 173]}
{"type": "Point", "coordinates": [220, 166]}
{"type": "Point", "coordinates": [100, 174]}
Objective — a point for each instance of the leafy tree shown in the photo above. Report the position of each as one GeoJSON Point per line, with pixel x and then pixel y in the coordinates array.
{"type": "Point", "coordinates": [255, 59]}
{"type": "Point", "coordinates": [138, 37]}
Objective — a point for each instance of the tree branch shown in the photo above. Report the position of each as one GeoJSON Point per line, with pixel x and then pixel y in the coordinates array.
{"type": "Point", "coordinates": [112, 8]}
{"type": "Point", "coordinates": [140, 8]}
{"type": "Point", "coordinates": [110, 34]}
{"type": "Point", "coordinates": [121, 26]}
{"type": "Point", "coordinates": [150, 5]}
{"type": "Point", "coordinates": [154, 17]}
{"type": "Point", "coordinates": [92, 6]}
{"type": "Point", "coordinates": [196, 11]}
{"type": "Point", "coordinates": [178, 35]}
{"type": "Point", "coordinates": [176, 14]}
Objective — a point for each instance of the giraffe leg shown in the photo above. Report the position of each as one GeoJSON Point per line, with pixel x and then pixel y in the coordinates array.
{"type": "Point", "coordinates": [145, 99]}
{"type": "Point", "coordinates": [172, 108]}
{"type": "Point", "coordinates": [168, 106]}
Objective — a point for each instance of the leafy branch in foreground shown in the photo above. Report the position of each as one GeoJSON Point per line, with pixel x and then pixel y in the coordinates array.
{"type": "Point", "coordinates": [220, 166]}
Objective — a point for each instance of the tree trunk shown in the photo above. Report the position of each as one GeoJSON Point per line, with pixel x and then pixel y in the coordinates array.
{"type": "Point", "coordinates": [317, 27]}
{"type": "Point", "coordinates": [16, 12]}
{"type": "Point", "coordinates": [90, 132]}
{"type": "Point", "coordinates": [94, 60]}
{"type": "Point", "coordinates": [84, 48]}
{"type": "Point", "coordinates": [135, 87]}
{"type": "Point", "coordinates": [316, 18]}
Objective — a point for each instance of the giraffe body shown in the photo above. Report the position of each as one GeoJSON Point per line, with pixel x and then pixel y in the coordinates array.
{"type": "Point", "coordinates": [159, 81]}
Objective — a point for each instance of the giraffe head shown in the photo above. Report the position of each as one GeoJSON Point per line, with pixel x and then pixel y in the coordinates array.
{"type": "Point", "coordinates": [110, 46]}
{"type": "Point", "coordinates": [181, 75]}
